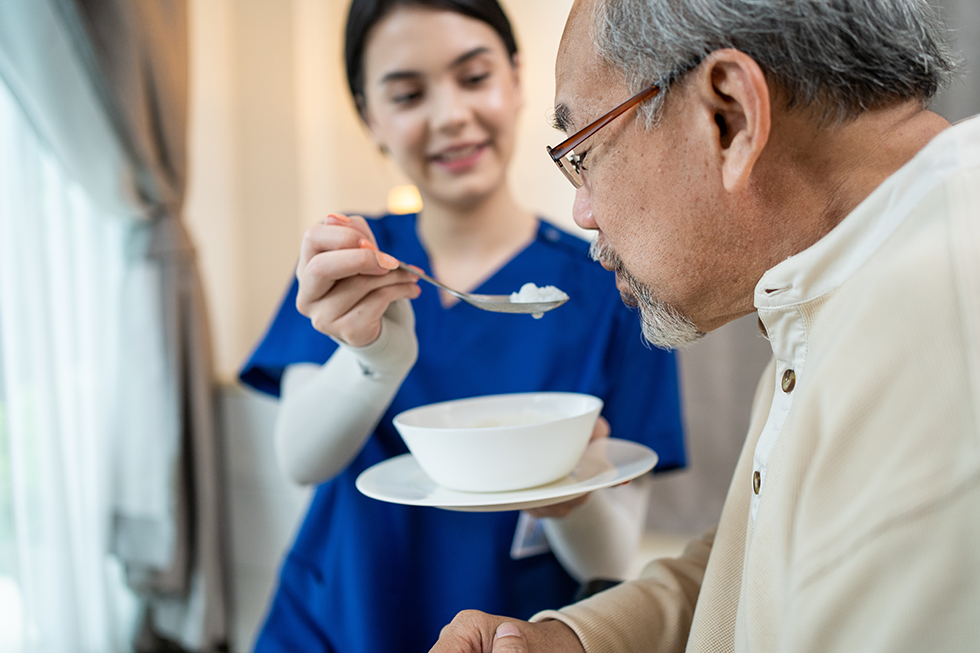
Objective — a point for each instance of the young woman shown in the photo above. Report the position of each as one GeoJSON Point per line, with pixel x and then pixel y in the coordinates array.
{"type": "Point", "coordinates": [356, 341]}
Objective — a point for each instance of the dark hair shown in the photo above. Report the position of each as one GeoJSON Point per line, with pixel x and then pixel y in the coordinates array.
{"type": "Point", "coordinates": [363, 15]}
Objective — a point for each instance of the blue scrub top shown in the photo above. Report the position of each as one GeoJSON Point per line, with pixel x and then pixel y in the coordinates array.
{"type": "Point", "coordinates": [365, 576]}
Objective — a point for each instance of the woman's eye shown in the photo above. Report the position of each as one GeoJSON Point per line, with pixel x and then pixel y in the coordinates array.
{"type": "Point", "coordinates": [474, 80]}
{"type": "Point", "coordinates": [406, 98]}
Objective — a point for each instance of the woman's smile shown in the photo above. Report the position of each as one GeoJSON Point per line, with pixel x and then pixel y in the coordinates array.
{"type": "Point", "coordinates": [462, 158]}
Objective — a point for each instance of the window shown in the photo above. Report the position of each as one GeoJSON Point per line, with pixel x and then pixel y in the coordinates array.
{"type": "Point", "coordinates": [61, 263]}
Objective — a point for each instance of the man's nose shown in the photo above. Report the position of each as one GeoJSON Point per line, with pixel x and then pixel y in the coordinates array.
{"type": "Point", "coordinates": [582, 208]}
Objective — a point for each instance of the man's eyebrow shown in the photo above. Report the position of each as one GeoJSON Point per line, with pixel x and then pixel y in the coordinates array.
{"type": "Point", "coordinates": [562, 118]}
{"type": "Point", "coordinates": [397, 75]}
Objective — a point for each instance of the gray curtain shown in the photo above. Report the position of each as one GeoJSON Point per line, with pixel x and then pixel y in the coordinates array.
{"type": "Point", "coordinates": [136, 56]}
{"type": "Point", "coordinates": [962, 98]}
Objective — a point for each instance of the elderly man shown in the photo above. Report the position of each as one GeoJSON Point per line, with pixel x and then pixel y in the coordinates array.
{"type": "Point", "coordinates": [783, 162]}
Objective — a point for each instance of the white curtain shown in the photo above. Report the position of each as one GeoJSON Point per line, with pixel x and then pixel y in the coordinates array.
{"type": "Point", "coordinates": [109, 442]}
{"type": "Point", "coordinates": [61, 269]}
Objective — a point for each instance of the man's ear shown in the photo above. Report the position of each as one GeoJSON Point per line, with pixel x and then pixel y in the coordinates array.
{"type": "Point", "coordinates": [734, 90]}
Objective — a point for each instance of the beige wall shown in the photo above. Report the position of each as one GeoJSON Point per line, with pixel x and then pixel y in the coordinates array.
{"type": "Point", "coordinates": [275, 145]}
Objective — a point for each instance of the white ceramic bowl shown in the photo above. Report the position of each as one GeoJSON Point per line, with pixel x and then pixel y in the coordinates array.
{"type": "Point", "coordinates": [500, 443]}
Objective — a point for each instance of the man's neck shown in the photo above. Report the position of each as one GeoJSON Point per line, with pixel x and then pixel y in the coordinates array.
{"type": "Point", "coordinates": [835, 168]}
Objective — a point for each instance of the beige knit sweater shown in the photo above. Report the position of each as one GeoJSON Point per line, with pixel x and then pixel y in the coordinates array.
{"type": "Point", "coordinates": [852, 524]}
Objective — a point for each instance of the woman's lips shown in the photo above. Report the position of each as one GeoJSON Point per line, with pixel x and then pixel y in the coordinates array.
{"type": "Point", "coordinates": [459, 159]}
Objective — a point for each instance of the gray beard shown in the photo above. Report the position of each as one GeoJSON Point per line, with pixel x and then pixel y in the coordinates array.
{"type": "Point", "coordinates": [663, 325]}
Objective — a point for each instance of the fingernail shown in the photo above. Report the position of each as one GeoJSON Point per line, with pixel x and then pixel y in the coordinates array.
{"type": "Point", "coordinates": [386, 261]}
{"type": "Point", "coordinates": [364, 243]}
{"type": "Point", "coordinates": [507, 629]}
{"type": "Point", "coordinates": [336, 218]}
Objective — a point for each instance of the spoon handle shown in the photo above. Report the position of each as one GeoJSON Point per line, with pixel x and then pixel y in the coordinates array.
{"type": "Point", "coordinates": [423, 275]}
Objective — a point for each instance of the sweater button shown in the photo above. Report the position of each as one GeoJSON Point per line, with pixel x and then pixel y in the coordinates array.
{"type": "Point", "coordinates": [756, 481]}
{"type": "Point", "coordinates": [789, 381]}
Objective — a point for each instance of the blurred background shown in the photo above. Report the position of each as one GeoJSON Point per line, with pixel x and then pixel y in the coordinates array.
{"type": "Point", "coordinates": [159, 162]}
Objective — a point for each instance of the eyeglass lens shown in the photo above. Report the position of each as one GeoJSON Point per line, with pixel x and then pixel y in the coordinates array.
{"type": "Point", "coordinates": [571, 165]}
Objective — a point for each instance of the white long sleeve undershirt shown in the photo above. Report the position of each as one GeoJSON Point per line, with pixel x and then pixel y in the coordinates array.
{"type": "Point", "coordinates": [327, 412]}
{"type": "Point", "coordinates": [599, 539]}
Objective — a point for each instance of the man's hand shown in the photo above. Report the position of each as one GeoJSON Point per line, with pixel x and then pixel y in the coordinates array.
{"type": "Point", "coordinates": [478, 632]}
{"type": "Point", "coordinates": [508, 639]}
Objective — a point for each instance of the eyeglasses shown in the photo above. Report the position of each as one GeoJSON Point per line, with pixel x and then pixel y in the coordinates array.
{"type": "Point", "coordinates": [570, 163]}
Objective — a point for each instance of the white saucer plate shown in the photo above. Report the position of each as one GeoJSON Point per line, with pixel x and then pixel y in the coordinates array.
{"type": "Point", "coordinates": [606, 462]}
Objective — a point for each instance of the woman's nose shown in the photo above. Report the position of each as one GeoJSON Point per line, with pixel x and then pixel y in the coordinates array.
{"type": "Point", "coordinates": [450, 111]}
{"type": "Point", "coordinates": [582, 208]}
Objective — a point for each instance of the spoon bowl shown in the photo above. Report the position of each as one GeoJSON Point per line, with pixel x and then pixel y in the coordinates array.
{"type": "Point", "coordinates": [495, 303]}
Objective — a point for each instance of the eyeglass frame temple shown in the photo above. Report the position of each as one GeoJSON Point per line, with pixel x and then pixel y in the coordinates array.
{"type": "Point", "coordinates": [559, 151]}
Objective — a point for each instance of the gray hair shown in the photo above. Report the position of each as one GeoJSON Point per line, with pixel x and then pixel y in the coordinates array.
{"type": "Point", "coordinates": [839, 57]}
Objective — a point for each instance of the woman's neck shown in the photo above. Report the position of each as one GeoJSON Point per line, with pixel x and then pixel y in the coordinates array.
{"type": "Point", "coordinates": [466, 245]}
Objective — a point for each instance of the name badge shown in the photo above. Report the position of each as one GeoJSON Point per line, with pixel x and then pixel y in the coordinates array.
{"type": "Point", "coordinates": [529, 538]}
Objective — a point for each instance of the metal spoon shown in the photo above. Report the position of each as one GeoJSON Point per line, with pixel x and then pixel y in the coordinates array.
{"type": "Point", "coordinates": [496, 303]}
